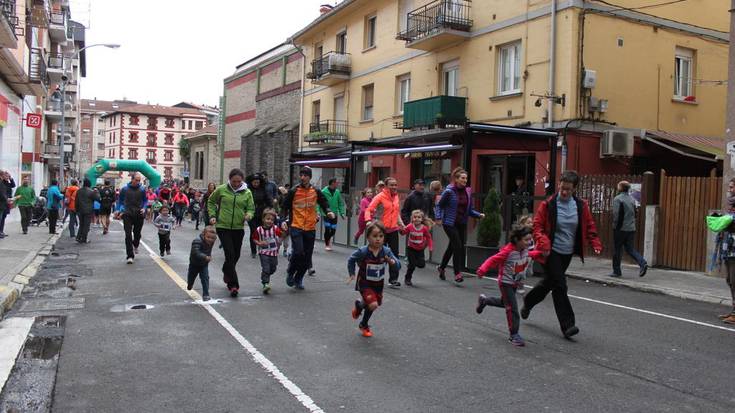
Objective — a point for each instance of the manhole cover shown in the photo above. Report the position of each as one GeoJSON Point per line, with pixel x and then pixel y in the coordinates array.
{"type": "Point", "coordinates": [53, 304]}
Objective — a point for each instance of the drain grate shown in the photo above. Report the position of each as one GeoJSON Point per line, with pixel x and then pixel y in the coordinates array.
{"type": "Point", "coordinates": [53, 304]}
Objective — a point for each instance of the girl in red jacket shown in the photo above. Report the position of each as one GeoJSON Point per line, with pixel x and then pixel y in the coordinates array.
{"type": "Point", "coordinates": [512, 263]}
{"type": "Point", "coordinates": [419, 237]}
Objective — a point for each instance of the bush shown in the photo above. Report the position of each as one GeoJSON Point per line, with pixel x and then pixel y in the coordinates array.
{"type": "Point", "coordinates": [490, 228]}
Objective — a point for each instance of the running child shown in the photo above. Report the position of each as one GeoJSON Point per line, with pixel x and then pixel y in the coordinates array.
{"type": "Point", "coordinates": [268, 238]}
{"type": "Point", "coordinates": [419, 237]}
{"type": "Point", "coordinates": [157, 204]}
{"type": "Point", "coordinates": [511, 262]}
{"type": "Point", "coordinates": [164, 222]}
{"type": "Point", "coordinates": [201, 255]}
{"type": "Point", "coordinates": [372, 261]}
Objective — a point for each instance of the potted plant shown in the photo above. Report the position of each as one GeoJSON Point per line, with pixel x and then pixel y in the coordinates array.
{"type": "Point", "coordinates": [489, 232]}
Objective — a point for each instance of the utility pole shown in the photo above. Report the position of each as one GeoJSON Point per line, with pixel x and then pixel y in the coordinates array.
{"type": "Point", "coordinates": [728, 167]}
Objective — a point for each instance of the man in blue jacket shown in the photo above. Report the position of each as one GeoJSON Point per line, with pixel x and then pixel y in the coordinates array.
{"type": "Point", "coordinates": [53, 204]}
{"type": "Point", "coordinates": [131, 206]}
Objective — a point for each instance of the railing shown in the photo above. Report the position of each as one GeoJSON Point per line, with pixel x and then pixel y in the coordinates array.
{"type": "Point", "coordinates": [330, 63]}
{"type": "Point", "coordinates": [440, 14]}
{"type": "Point", "coordinates": [58, 61]}
{"type": "Point", "coordinates": [37, 71]}
{"type": "Point", "coordinates": [441, 111]}
{"type": "Point", "coordinates": [7, 9]}
{"type": "Point", "coordinates": [327, 131]}
{"type": "Point", "coordinates": [58, 17]}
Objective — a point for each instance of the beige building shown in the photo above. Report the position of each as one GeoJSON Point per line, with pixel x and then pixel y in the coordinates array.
{"type": "Point", "coordinates": [151, 133]}
{"type": "Point", "coordinates": [204, 157]}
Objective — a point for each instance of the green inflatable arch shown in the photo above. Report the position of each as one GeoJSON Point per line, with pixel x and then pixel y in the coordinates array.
{"type": "Point", "coordinates": [139, 165]}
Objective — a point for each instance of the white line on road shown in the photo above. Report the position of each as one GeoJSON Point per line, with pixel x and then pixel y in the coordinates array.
{"type": "Point", "coordinates": [640, 310]}
{"type": "Point", "coordinates": [259, 358]}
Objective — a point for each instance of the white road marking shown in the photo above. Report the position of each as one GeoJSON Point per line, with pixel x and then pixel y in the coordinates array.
{"type": "Point", "coordinates": [13, 333]}
{"type": "Point", "coordinates": [259, 358]}
{"type": "Point", "coordinates": [640, 310]}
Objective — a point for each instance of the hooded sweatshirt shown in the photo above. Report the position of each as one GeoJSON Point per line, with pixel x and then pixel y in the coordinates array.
{"type": "Point", "coordinates": [511, 264]}
{"type": "Point", "coordinates": [231, 206]}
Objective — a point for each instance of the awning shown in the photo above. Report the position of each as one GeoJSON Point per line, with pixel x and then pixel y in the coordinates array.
{"type": "Point", "coordinates": [699, 147]}
{"type": "Point", "coordinates": [410, 149]}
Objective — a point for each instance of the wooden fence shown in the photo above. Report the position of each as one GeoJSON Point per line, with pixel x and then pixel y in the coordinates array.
{"type": "Point", "coordinates": [684, 202]}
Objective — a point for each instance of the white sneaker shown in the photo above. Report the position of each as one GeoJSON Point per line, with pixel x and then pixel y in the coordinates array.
{"type": "Point", "coordinates": [130, 260]}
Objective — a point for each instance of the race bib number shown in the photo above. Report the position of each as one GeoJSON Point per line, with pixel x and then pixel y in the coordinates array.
{"type": "Point", "coordinates": [166, 227]}
{"type": "Point", "coordinates": [375, 272]}
{"type": "Point", "coordinates": [272, 245]}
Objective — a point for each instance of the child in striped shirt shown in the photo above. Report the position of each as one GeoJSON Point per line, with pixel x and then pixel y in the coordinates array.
{"type": "Point", "coordinates": [268, 238]}
{"type": "Point", "coordinates": [419, 237]}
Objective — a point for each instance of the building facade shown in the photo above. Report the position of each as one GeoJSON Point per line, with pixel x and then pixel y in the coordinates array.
{"type": "Point", "coordinates": [262, 113]}
{"type": "Point", "coordinates": [92, 128]}
{"type": "Point", "coordinates": [204, 157]}
{"type": "Point", "coordinates": [404, 71]}
{"type": "Point", "coordinates": [152, 133]}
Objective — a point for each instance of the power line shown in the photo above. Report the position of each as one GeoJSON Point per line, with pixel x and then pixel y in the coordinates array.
{"type": "Point", "coordinates": [619, 7]}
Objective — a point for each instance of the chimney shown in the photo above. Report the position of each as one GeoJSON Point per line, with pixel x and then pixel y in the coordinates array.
{"type": "Point", "coordinates": [325, 8]}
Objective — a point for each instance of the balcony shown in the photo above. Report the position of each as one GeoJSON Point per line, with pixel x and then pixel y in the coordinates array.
{"type": "Point", "coordinates": [437, 111]}
{"type": "Point", "coordinates": [8, 24]}
{"type": "Point", "coordinates": [50, 151]}
{"type": "Point", "coordinates": [327, 133]}
{"type": "Point", "coordinates": [330, 69]}
{"type": "Point", "coordinates": [438, 24]}
{"type": "Point", "coordinates": [38, 79]}
{"type": "Point", "coordinates": [58, 26]}
{"type": "Point", "coordinates": [58, 66]}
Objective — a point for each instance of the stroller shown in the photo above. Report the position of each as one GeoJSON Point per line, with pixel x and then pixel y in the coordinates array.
{"type": "Point", "coordinates": [39, 214]}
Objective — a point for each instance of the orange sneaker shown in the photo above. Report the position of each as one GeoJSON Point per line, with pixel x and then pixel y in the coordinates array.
{"type": "Point", "coordinates": [366, 331]}
{"type": "Point", "coordinates": [356, 310]}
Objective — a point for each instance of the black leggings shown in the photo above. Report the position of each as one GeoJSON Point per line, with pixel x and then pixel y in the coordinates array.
{"type": "Point", "coordinates": [231, 240]}
{"type": "Point", "coordinates": [392, 240]}
{"type": "Point", "coordinates": [457, 239]}
{"type": "Point", "coordinates": [330, 229]}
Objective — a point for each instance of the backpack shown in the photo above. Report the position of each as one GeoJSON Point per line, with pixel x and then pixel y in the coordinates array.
{"type": "Point", "coordinates": [107, 197]}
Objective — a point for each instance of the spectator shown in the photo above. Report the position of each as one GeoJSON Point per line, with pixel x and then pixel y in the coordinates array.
{"type": "Point", "coordinates": [624, 230]}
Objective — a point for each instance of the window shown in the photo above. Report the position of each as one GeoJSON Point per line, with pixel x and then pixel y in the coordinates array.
{"type": "Point", "coordinates": [151, 139]}
{"type": "Point", "coordinates": [339, 108]}
{"type": "Point", "coordinates": [403, 92]}
{"type": "Point", "coordinates": [168, 139]}
{"type": "Point", "coordinates": [367, 102]}
{"type": "Point", "coordinates": [370, 27]}
{"type": "Point", "coordinates": [199, 165]}
{"type": "Point", "coordinates": [318, 51]}
{"type": "Point", "coordinates": [150, 155]}
{"type": "Point", "coordinates": [168, 155]}
{"type": "Point", "coordinates": [168, 172]}
{"type": "Point", "coordinates": [183, 124]}
{"type": "Point", "coordinates": [341, 46]}
{"type": "Point", "coordinates": [510, 69]}
{"type": "Point", "coordinates": [153, 123]}
{"type": "Point", "coordinates": [683, 69]}
{"type": "Point", "coordinates": [134, 120]}
{"type": "Point", "coordinates": [450, 78]}
{"type": "Point", "coordinates": [114, 137]}
{"type": "Point", "coordinates": [169, 122]}
{"type": "Point", "coordinates": [133, 137]}
{"type": "Point", "coordinates": [132, 153]}
{"type": "Point", "coordinates": [316, 111]}
{"type": "Point", "coordinates": [190, 126]}
{"type": "Point", "coordinates": [199, 124]}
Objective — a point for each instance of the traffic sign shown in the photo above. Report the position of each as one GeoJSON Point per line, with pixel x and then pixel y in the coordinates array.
{"type": "Point", "coordinates": [33, 120]}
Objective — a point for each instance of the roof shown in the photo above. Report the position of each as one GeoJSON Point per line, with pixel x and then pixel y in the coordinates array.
{"type": "Point", "coordinates": [210, 130]}
{"type": "Point", "coordinates": [203, 108]}
{"type": "Point", "coordinates": [282, 49]}
{"type": "Point", "coordinates": [338, 8]}
{"type": "Point", "coordinates": [706, 144]}
{"type": "Point", "coordinates": [158, 110]}
{"type": "Point", "coordinates": [94, 105]}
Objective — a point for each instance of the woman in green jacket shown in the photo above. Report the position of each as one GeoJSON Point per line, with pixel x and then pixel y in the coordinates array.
{"type": "Point", "coordinates": [229, 207]}
{"type": "Point", "coordinates": [336, 205]}
{"type": "Point", "coordinates": [25, 197]}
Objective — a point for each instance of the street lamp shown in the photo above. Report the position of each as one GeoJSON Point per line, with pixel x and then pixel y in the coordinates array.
{"type": "Point", "coordinates": [64, 80]}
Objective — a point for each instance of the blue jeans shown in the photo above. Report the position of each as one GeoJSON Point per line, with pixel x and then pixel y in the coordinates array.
{"type": "Point", "coordinates": [624, 239]}
{"type": "Point", "coordinates": [203, 273]}
{"type": "Point", "coordinates": [72, 223]}
{"type": "Point", "coordinates": [302, 245]}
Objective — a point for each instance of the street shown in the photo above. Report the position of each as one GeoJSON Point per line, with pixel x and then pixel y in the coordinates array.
{"type": "Point", "coordinates": [297, 351]}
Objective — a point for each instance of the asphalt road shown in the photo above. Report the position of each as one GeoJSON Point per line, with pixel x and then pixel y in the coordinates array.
{"type": "Point", "coordinates": [296, 351]}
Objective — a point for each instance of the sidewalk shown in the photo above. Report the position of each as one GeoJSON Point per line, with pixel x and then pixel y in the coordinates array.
{"type": "Point", "coordinates": [683, 284]}
{"type": "Point", "coordinates": [20, 256]}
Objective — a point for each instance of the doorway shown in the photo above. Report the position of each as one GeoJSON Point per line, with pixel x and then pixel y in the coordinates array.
{"type": "Point", "coordinates": [504, 173]}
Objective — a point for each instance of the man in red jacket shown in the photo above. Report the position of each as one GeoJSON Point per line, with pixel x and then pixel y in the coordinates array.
{"type": "Point", "coordinates": [562, 227]}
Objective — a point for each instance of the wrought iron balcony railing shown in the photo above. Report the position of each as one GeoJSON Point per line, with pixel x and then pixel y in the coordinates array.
{"type": "Point", "coordinates": [327, 132]}
{"type": "Point", "coordinates": [37, 71]}
{"type": "Point", "coordinates": [7, 10]}
{"type": "Point", "coordinates": [435, 16]}
{"type": "Point", "coordinates": [332, 63]}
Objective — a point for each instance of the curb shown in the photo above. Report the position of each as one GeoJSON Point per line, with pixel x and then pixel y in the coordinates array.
{"type": "Point", "coordinates": [12, 285]}
{"type": "Point", "coordinates": [685, 295]}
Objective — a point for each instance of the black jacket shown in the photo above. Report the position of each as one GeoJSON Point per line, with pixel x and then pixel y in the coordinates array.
{"type": "Point", "coordinates": [414, 201]}
{"type": "Point", "coordinates": [85, 200]}
{"type": "Point", "coordinates": [200, 250]}
{"type": "Point", "coordinates": [261, 197]}
{"type": "Point", "coordinates": [3, 196]}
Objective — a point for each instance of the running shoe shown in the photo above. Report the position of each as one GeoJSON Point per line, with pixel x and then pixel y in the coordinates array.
{"type": "Point", "coordinates": [441, 273]}
{"type": "Point", "coordinates": [480, 303]}
{"type": "Point", "coordinates": [409, 283]}
{"type": "Point", "coordinates": [266, 288]}
{"type": "Point", "coordinates": [525, 312]}
{"type": "Point", "coordinates": [366, 331]}
{"type": "Point", "coordinates": [327, 248]}
{"type": "Point", "coordinates": [643, 271]}
{"type": "Point", "coordinates": [571, 331]}
{"type": "Point", "coordinates": [162, 254]}
{"type": "Point", "coordinates": [168, 251]}
{"type": "Point", "coordinates": [356, 310]}
{"type": "Point", "coordinates": [289, 280]}
{"type": "Point", "coordinates": [517, 340]}
{"type": "Point", "coordinates": [130, 261]}
{"type": "Point", "coordinates": [205, 298]}
{"type": "Point", "coordinates": [458, 278]}
{"type": "Point", "coordinates": [136, 251]}
{"type": "Point", "coordinates": [300, 286]}
{"type": "Point", "coordinates": [233, 292]}
{"type": "Point", "coordinates": [394, 284]}
{"type": "Point", "coordinates": [724, 316]}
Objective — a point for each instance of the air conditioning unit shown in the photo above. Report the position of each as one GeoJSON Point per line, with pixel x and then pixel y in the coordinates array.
{"type": "Point", "coordinates": [616, 143]}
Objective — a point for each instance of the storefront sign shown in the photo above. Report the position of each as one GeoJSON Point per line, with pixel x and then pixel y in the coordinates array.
{"type": "Point", "coordinates": [33, 120]}
{"type": "Point", "coordinates": [429, 155]}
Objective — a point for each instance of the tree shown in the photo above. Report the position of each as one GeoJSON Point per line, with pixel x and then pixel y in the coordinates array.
{"type": "Point", "coordinates": [184, 151]}
{"type": "Point", "coordinates": [490, 228]}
